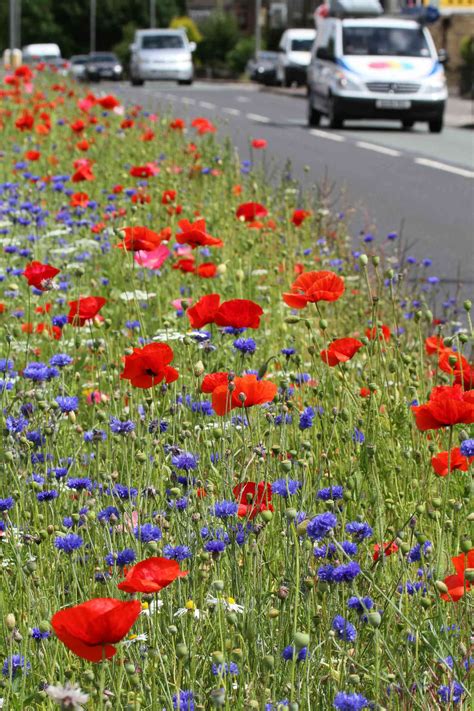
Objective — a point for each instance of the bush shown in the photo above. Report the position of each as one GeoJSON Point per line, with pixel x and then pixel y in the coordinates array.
{"type": "Point", "coordinates": [189, 25]}
{"type": "Point", "coordinates": [238, 57]}
{"type": "Point", "coordinates": [220, 35]}
{"type": "Point", "coordinates": [467, 51]}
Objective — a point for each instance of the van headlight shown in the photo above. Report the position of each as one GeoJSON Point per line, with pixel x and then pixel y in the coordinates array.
{"type": "Point", "coordinates": [435, 83]}
{"type": "Point", "coordinates": [348, 83]}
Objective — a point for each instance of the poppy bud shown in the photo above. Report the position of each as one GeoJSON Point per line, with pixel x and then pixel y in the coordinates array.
{"type": "Point", "coordinates": [354, 678]}
{"type": "Point", "coordinates": [375, 260]}
{"type": "Point", "coordinates": [218, 585]}
{"type": "Point", "coordinates": [292, 319]}
{"type": "Point", "coordinates": [448, 342]}
{"type": "Point", "coordinates": [323, 324]}
{"type": "Point", "coordinates": [437, 502]}
{"type": "Point", "coordinates": [218, 657]}
{"type": "Point", "coordinates": [467, 305]}
{"type": "Point", "coordinates": [239, 275]}
{"type": "Point", "coordinates": [221, 268]}
{"type": "Point", "coordinates": [301, 528]}
{"type": "Point", "coordinates": [425, 602]}
{"type": "Point", "coordinates": [363, 259]}
{"type": "Point", "coordinates": [285, 465]}
{"type": "Point", "coordinates": [269, 661]}
{"type": "Point", "coordinates": [130, 668]}
{"type": "Point", "coordinates": [291, 514]}
{"type": "Point", "coordinates": [441, 586]}
{"type": "Point", "coordinates": [141, 457]}
{"type": "Point", "coordinates": [10, 621]}
{"type": "Point", "coordinates": [301, 639]}
{"type": "Point", "coordinates": [198, 368]}
{"type": "Point", "coordinates": [273, 613]}
{"type": "Point", "coordinates": [172, 629]}
{"type": "Point", "coordinates": [429, 316]}
{"type": "Point", "coordinates": [469, 575]}
{"type": "Point", "coordinates": [266, 516]}
{"type": "Point", "coordinates": [466, 544]}
{"type": "Point", "coordinates": [374, 619]}
{"type": "Point", "coordinates": [182, 651]}
{"type": "Point", "coordinates": [463, 337]}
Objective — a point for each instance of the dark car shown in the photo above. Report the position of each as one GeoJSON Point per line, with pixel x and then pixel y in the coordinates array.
{"type": "Point", "coordinates": [103, 65]}
{"type": "Point", "coordinates": [262, 67]}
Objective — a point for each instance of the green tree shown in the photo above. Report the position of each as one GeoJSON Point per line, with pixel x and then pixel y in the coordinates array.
{"type": "Point", "coordinates": [220, 34]}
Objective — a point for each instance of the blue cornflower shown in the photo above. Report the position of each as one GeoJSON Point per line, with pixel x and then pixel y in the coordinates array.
{"type": "Point", "coordinates": [320, 525]}
{"type": "Point", "coordinates": [225, 669]}
{"type": "Point", "coordinates": [343, 629]}
{"type": "Point", "coordinates": [360, 604]}
{"type": "Point", "coordinates": [60, 360]}
{"type": "Point", "coordinates": [79, 484]}
{"type": "Point", "coordinates": [39, 372]}
{"type": "Point", "coordinates": [358, 436]}
{"type": "Point", "coordinates": [344, 701]}
{"type": "Point", "coordinates": [6, 504]}
{"type": "Point", "coordinates": [416, 553]}
{"type": "Point", "coordinates": [288, 351]}
{"type": "Point", "coordinates": [47, 495]}
{"type": "Point", "coordinates": [121, 427]}
{"type": "Point", "coordinates": [306, 418]}
{"type": "Point", "coordinates": [286, 487]}
{"type": "Point", "coordinates": [178, 553]}
{"type": "Point", "coordinates": [215, 547]}
{"type": "Point", "coordinates": [224, 509]}
{"type": "Point", "coordinates": [453, 692]}
{"type": "Point", "coordinates": [106, 514]}
{"type": "Point", "coordinates": [122, 558]}
{"type": "Point", "coordinates": [124, 492]}
{"type": "Point", "coordinates": [245, 345]}
{"type": "Point", "coordinates": [67, 404]}
{"type": "Point", "coordinates": [14, 665]}
{"type": "Point", "coordinates": [467, 448]}
{"type": "Point", "coordinates": [290, 652]}
{"type": "Point", "coordinates": [330, 492]}
{"type": "Point", "coordinates": [38, 635]}
{"type": "Point", "coordinates": [16, 425]}
{"type": "Point", "coordinates": [68, 543]}
{"type": "Point", "coordinates": [325, 573]}
{"type": "Point", "coordinates": [95, 435]}
{"type": "Point", "coordinates": [184, 701]}
{"type": "Point", "coordinates": [359, 530]}
{"type": "Point", "coordinates": [346, 572]}
{"type": "Point", "coordinates": [185, 461]}
{"type": "Point", "coordinates": [146, 533]}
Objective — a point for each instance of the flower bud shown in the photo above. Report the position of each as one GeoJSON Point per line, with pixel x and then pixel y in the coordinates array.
{"type": "Point", "coordinates": [198, 368]}
{"type": "Point", "coordinates": [441, 586]}
{"type": "Point", "coordinates": [182, 652]}
{"type": "Point", "coordinates": [269, 661]}
{"type": "Point", "coordinates": [374, 619]}
{"type": "Point", "coordinates": [218, 585]}
{"type": "Point", "coordinates": [10, 621]}
{"type": "Point", "coordinates": [266, 516]}
{"type": "Point", "coordinates": [301, 639]}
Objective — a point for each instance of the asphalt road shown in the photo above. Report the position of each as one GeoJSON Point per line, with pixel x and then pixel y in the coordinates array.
{"type": "Point", "coordinates": [391, 177]}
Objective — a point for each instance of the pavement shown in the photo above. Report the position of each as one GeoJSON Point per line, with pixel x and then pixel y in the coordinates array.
{"type": "Point", "coordinates": [385, 179]}
{"type": "Point", "coordinates": [459, 112]}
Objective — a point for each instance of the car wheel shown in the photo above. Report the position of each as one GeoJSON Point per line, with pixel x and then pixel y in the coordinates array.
{"type": "Point", "coordinates": [407, 124]}
{"type": "Point", "coordinates": [287, 81]}
{"type": "Point", "coordinates": [136, 82]}
{"type": "Point", "coordinates": [436, 126]}
{"type": "Point", "coordinates": [185, 82]}
{"type": "Point", "coordinates": [335, 118]}
{"type": "Point", "coordinates": [314, 116]}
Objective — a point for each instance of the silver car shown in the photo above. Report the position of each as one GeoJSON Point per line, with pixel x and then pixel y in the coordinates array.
{"type": "Point", "coordinates": [161, 54]}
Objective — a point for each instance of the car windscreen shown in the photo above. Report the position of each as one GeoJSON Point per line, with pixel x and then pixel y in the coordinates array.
{"type": "Point", "coordinates": [78, 60]}
{"type": "Point", "coordinates": [383, 41]}
{"type": "Point", "coordinates": [162, 42]}
{"type": "Point", "coordinates": [301, 45]}
{"type": "Point", "coordinates": [102, 58]}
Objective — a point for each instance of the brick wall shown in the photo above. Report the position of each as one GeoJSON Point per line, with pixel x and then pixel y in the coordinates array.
{"type": "Point", "coordinates": [447, 34]}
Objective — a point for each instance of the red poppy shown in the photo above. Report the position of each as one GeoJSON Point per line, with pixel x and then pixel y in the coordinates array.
{"type": "Point", "coordinates": [458, 584]}
{"type": "Point", "coordinates": [447, 406]}
{"type": "Point", "coordinates": [143, 239]}
{"type": "Point", "coordinates": [450, 361]}
{"type": "Point", "coordinates": [239, 313]}
{"type": "Point", "coordinates": [185, 265]}
{"type": "Point", "coordinates": [149, 366]}
{"type": "Point", "coordinates": [151, 575]}
{"type": "Point", "coordinates": [299, 216]}
{"type": "Point", "coordinates": [207, 270]}
{"type": "Point", "coordinates": [212, 380]}
{"type": "Point", "coordinates": [465, 377]}
{"type": "Point", "coordinates": [434, 344]}
{"type": "Point", "coordinates": [127, 123]}
{"type": "Point", "coordinates": [203, 311]}
{"type": "Point", "coordinates": [79, 200]}
{"type": "Point", "coordinates": [457, 461]}
{"type": "Point", "coordinates": [249, 211]}
{"type": "Point", "coordinates": [91, 629]}
{"type": "Point", "coordinates": [178, 124]}
{"type": "Point", "coordinates": [147, 135]}
{"type": "Point", "coordinates": [108, 102]}
{"type": "Point", "coordinates": [32, 156]}
{"type": "Point", "coordinates": [388, 549]}
{"type": "Point", "coordinates": [259, 143]}
{"type": "Point", "coordinates": [40, 275]}
{"type": "Point", "coordinates": [247, 391]}
{"type": "Point", "coordinates": [84, 309]}
{"type": "Point", "coordinates": [83, 145]}
{"type": "Point", "coordinates": [78, 126]}
{"type": "Point", "coordinates": [84, 172]}
{"type": "Point", "coordinates": [253, 498]}
{"type": "Point", "coordinates": [311, 287]}
{"type": "Point", "coordinates": [144, 171]}
{"type": "Point", "coordinates": [194, 234]}
{"type": "Point", "coordinates": [381, 332]}
{"type": "Point", "coordinates": [340, 351]}
{"type": "Point", "coordinates": [168, 196]}
{"type": "Point", "coordinates": [365, 392]}
{"type": "Point", "coordinates": [203, 125]}
{"type": "Point", "coordinates": [25, 121]}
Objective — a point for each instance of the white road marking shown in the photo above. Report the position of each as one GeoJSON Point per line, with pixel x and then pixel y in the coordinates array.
{"type": "Point", "coordinates": [258, 118]}
{"type": "Point", "coordinates": [445, 166]}
{"type": "Point", "coordinates": [242, 99]}
{"type": "Point", "coordinates": [188, 101]}
{"type": "Point", "coordinates": [378, 149]}
{"type": "Point", "coordinates": [231, 111]}
{"type": "Point", "coordinates": [326, 134]}
{"type": "Point", "coordinates": [207, 105]}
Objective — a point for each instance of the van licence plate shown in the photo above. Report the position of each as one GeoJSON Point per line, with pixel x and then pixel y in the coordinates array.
{"type": "Point", "coordinates": [392, 104]}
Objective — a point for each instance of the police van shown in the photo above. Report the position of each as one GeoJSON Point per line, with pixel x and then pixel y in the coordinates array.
{"type": "Point", "coordinates": [365, 65]}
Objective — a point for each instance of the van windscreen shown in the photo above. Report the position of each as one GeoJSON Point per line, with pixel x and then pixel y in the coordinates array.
{"type": "Point", "coordinates": [301, 45]}
{"type": "Point", "coordinates": [392, 41]}
{"type": "Point", "coordinates": [162, 42]}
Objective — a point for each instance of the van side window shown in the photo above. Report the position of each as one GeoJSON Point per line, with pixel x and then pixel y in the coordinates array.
{"type": "Point", "coordinates": [324, 35]}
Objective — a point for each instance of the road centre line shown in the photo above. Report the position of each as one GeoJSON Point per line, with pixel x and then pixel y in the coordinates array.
{"type": "Point", "coordinates": [258, 118]}
{"type": "Point", "coordinates": [445, 166]}
{"type": "Point", "coordinates": [378, 149]}
{"type": "Point", "coordinates": [326, 134]}
{"type": "Point", "coordinates": [187, 100]}
{"type": "Point", "coordinates": [230, 110]}
{"type": "Point", "coordinates": [207, 105]}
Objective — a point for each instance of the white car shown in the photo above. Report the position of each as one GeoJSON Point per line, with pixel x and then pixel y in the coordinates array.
{"type": "Point", "coordinates": [161, 54]}
{"type": "Point", "coordinates": [294, 55]}
{"type": "Point", "coordinates": [78, 66]}
{"type": "Point", "coordinates": [376, 68]}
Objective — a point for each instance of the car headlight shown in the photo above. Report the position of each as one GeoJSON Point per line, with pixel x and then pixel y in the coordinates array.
{"type": "Point", "coordinates": [436, 83]}
{"type": "Point", "coordinates": [92, 68]}
{"type": "Point", "coordinates": [348, 83]}
{"type": "Point", "coordinates": [117, 68]}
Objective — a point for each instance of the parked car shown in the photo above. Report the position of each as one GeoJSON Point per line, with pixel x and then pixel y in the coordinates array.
{"type": "Point", "coordinates": [376, 68]}
{"type": "Point", "coordinates": [161, 54]}
{"type": "Point", "coordinates": [78, 65]}
{"type": "Point", "coordinates": [103, 65]}
{"type": "Point", "coordinates": [262, 67]}
{"type": "Point", "coordinates": [41, 53]}
{"type": "Point", "coordinates": [294, 55]}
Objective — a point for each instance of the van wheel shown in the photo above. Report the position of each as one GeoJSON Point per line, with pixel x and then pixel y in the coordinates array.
{"type": "Point", "coordinates": [136, 82]}
{"type": "Point", "coordinates": [335, 119]}
{"type": "Point", "coordinates": [314, 116]}
{"type": "Point", "coordinates": [287, 81]}
{"type": "Point", "coordinates": [407, 124]}
{"type": "Point", "coordinates": [436, 126]}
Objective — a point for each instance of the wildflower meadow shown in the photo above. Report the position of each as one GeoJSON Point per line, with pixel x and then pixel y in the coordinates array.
{"type": "Point", "coordinates": [237, 436]}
